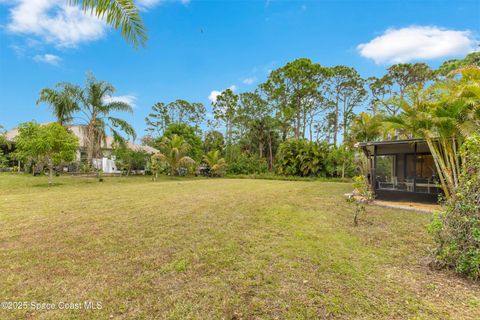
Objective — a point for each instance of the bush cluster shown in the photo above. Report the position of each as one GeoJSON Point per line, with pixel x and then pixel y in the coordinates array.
{"type": "Point", "coordinates": [313, 159]}
{"type": "Point", "coordinates": [456, 230]}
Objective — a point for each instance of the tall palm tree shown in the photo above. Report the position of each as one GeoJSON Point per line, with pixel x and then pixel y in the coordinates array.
{"type": "Point", "coordinates": [119, 14]}
{"type": "Point", "coordinates": [173, 152]}
{"type": "Point", "coordinates": [61, 100]}
{"type": "Point", "coordinates": [216, 164]}
{"type": "Point", "coordinates": [95, 115]}
{"type": "Point", "coordinates": [443, 115]}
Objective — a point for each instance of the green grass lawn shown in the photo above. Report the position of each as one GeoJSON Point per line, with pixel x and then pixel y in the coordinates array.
{"type": "Point", "coordinates": [216, 249]}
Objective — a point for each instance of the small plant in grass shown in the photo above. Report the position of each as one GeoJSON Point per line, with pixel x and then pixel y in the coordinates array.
{"type": "Point", "coordinates": [456, 230]}
{"type": "Point", "coordinates": [361, 196]}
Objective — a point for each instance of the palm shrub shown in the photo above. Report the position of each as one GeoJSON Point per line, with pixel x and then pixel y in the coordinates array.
{"type": "Point", "coordinates": [300, 157]}
{"type": "Point", "coordinates": [456, 230]}
{"type": "Point", "coordinates": [173, 153]}
{"type": "Point", "coordinates": [215, 163]}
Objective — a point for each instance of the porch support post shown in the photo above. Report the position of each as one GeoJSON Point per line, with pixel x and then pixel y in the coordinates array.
{"type": "Point", "coordinates": [415, 167]}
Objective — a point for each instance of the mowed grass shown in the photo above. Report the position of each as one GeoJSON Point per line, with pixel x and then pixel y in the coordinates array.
{"type": "Point", "coordinates": [216, 249]}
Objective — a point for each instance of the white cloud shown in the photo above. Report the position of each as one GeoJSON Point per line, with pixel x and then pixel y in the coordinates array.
{"type": "Point", "coordinates": [250, 80]}
{"type": "Point", "coordinates": [129, 99]}
{"type": "Point", "coordinates": [417, 43]}
{"type": "Point", "coordinates": [48, 58]}
{"type": "Point", "coordinates": [213, 95]}
{"type": "Point", "coordinates": [55, 22]}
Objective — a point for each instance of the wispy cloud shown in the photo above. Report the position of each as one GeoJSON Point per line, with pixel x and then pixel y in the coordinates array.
{"type": "Point", "coordinates": [417, 43]}
{"type": "Point", "coordinates": [249, 81]}
{"type": "Point", "coordinates": [129, 99]}
{"type": "Point", "coordinates": [148, 4]}
{"type": "Point", "coordinates": [48, 58]}
{"type": "Point", "coordinates": [215, 93]}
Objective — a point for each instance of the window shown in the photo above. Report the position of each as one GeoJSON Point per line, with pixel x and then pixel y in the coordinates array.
{"type": "Point", "coordinates": [421, 168]}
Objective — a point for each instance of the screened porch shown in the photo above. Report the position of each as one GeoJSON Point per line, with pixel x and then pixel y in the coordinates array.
{"type": "Point", "coordinates": [402, 170]}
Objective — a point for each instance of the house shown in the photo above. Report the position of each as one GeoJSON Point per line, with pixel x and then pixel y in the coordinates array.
{"type": "Point", "coordinates": [402, 170]}
{"type": "Point", "coordinates": [106, 163]}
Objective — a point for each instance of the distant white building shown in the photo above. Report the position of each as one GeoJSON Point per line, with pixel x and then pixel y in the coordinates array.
{"type": "Point", "coordinates": [107, 162]}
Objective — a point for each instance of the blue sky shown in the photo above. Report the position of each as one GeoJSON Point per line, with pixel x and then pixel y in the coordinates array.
{"type": "Point", "coordinates": [199, 47]}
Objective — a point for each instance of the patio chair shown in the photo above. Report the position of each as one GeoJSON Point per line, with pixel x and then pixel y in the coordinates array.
{"type": "Point", "coordinates": [392, 185]}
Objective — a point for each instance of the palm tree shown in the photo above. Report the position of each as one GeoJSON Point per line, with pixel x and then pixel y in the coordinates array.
{"type": "Point", "coordinates": [366, 127]}
{"type": "Point", "coordinates": [119, 14]}
{"type": "Point", "coordinates": [61, 100]}
{"type": "Point", "coordinates": [95, 115]}
{"type": "Point", "coordinates": [174, 154]}
{"type": "Point", "coordinates": [443, 115]}
{"type": "Point", "coordinates": [216, 164]}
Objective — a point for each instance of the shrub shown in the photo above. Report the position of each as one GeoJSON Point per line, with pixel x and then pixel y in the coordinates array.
{"type": "Point", "coordinates": [456, 230]}
{"type": "Point", "coordinates": [302, 158]}
{"type": "Point", "coordinates": [247, 164]}
{"type": "Point", "coordinates": [190, 134]}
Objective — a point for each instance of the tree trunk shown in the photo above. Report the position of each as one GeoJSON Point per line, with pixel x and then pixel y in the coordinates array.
{"type": "Point", "coordinates": [335, 123]}
{"type": "Point", "coordinates": [260, 149]}
{"type": "Point", "coordinates": [270, 151]}
{"type": "Point", "coordinates": [50, 175]}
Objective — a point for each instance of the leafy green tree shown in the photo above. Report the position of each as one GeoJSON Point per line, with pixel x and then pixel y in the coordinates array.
{"type": "Point", "coordinates": [388, 90]}
{"type": "Point", "coordinates": [225, 111]}
{"type": "Point", "coordinates": [173, 152]}
{"type": "Point", "coordinates": [129, 159]}
{"type": "Point", "coordinates": [345, 92]}
{"type": "Point", "coordinates": [214, 141]}
{"type": "Point", "coordinates": [119, 14]}
{"type": "Point", "coordinates": [51, 144]}
{"type": "Point", "coordinates": [215, 163]}
{"type": "Point", "coordinates": [449, 66]}
{"type": "Point", "coordinates": [191, 135]}
{"type": "Point", "coordinates": [176, 112]}
{"type": "Point", "coordinates": [62, 101]}
{"type": "Point", "coordinates": [4, 143]}
{"type": "Point", "coordinates": [158, 120]}
{"type": "Point", "coordinates": [254, 114]}
{"type": "Point", "coordinates": [95, 115]}
{"type": "Point", "coordinates": [294, 85]}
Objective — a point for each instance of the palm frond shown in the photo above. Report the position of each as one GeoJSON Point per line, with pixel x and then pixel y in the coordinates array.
{"type": "Point", "coordinates": [124, 126]}
{"type": "Point", "coordinates": [120, 14]}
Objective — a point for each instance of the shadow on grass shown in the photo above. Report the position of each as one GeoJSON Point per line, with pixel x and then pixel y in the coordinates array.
{"type": "Point", "coordinates": [46, 185]}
